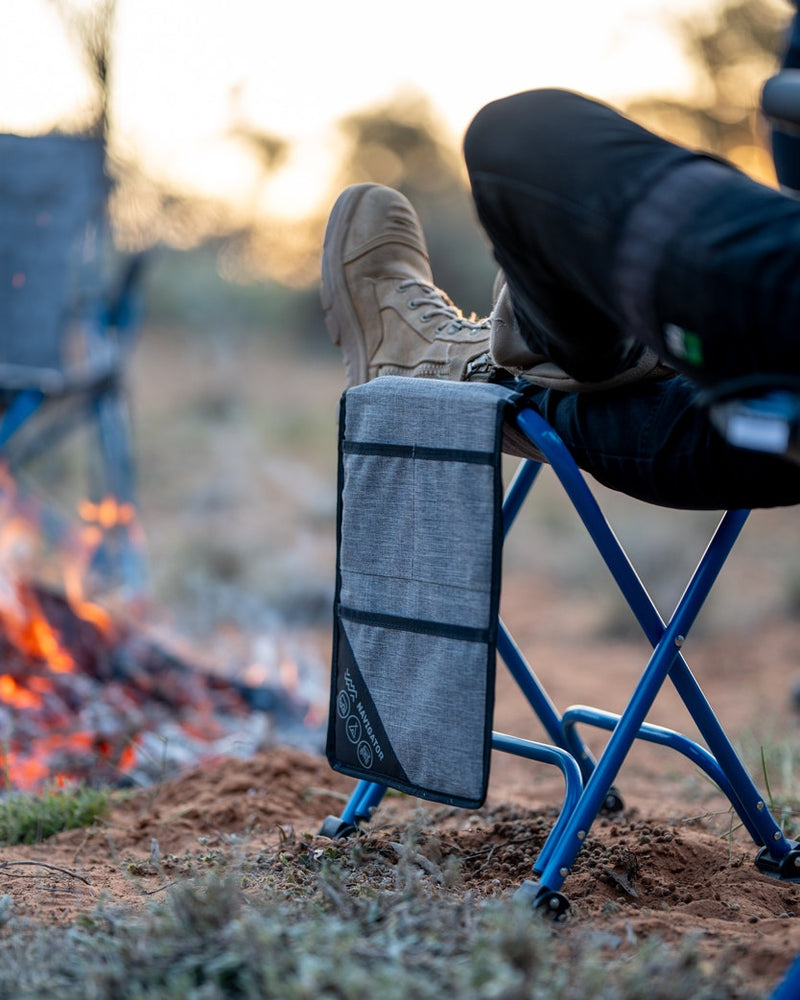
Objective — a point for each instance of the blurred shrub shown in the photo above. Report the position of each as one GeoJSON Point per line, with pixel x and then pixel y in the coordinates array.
{"type": "Point", "coordinates": [184, 288]}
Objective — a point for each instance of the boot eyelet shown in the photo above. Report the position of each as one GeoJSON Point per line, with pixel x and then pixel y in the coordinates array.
{"type": "Point", "coordinates": [425, 317]}
{"type": "Point", "coordinates": [413, 304]}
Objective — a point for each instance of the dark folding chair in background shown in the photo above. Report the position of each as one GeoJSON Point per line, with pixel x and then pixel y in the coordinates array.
{"type": "Point", "coordinates": [67, 324]}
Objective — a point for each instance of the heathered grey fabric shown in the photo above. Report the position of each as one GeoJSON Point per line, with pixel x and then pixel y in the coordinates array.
{"type": "Point", "coordinates": [420, 542]}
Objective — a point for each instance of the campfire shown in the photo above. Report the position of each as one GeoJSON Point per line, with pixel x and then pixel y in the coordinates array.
{"type": "Point", "coordinates": [87, 694]}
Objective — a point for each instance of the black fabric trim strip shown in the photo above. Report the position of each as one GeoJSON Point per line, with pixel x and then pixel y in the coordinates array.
{"type": "Point", "coordinates": [422, 454]}
{"type": "Point", "coordinates": [417, 625]}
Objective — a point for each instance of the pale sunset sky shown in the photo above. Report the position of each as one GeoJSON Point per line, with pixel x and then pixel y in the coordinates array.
{"type": "Point", "coordinates": [181, 68]}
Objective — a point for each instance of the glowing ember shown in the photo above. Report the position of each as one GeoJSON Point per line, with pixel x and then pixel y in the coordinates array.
{"type": "Point", "coordinates": [129, 710]}
{"type": "Point", "coordinates": [83, 697]}
{"type": "Point", "coordinates": [53, 757]}
{"type": "Point", "coordinates": [109, 513]}
{"type": "Point", "coordinates": [25, 625]}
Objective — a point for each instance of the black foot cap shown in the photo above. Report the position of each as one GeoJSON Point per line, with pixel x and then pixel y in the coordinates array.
{"type": "Point", "coordinates": [613, 802]}
{"type": "Point", "coordinates": [786, 868]}
{"type": "Point", "coordinates": [543, 901]}
{"type": "Point", "coordinates": [336, 828]}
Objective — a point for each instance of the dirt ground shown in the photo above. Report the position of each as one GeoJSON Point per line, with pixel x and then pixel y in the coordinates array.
{"type": "Point", "coordinates": [673, 863]}
{"type": "Point", "coordinates": [669, 865]}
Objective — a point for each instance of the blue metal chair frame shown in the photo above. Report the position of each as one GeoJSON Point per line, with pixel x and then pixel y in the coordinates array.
{"type": "Point", "coordinates": [589, 783]}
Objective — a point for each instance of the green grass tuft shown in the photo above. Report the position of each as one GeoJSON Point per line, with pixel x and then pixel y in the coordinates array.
{"type": "Point", "coordinates": [30, 819]}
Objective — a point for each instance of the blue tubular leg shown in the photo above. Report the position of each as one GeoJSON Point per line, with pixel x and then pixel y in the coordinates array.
{"type": "Point", "coordinates": [509, 651]}
{"type": "Point", "coordinates": [546, 754]}
{"type": "Point", "coordinates": [743, 794]}
{"type": "Point", "coordinates": [529, 684]}
{"type": "Point", "coordinates": [363, 802]}
{"type": "Point", "coordinates": [665, 661]}
{"type": "Point", "coordinates": [619, 744]}
{"type": "Point", "coordinates": [512, 656]}
{"type": "Point", "coordinates": [518, 490]}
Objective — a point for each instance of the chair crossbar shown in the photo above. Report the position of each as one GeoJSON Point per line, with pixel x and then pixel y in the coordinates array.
{"type": "Point", "coordinates": [665, 661]}
{"type": "Point", "coordinates": [662, 736]}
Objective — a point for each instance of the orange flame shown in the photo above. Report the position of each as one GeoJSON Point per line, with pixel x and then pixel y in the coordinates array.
{"type": "Point", "coordinates": [109, 513]}
{"type": "Point", "coordinates": [20, 614]}
{"type": "Point", "coordinates": [25, 625]}
{"type": "Point", "coordinates": [99, 518]}
{"type": "Point", "coordinates": [13, 693]}
{"type": "Point", "coordinates": [87, 610]}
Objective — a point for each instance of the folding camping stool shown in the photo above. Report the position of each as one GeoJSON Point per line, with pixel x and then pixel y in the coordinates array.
{"type": "Point", "coordinates": [420, 527]}
{"type": "Point", "coordinates": [65, 326]}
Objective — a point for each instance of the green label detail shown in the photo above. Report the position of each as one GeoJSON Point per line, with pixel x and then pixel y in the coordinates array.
{"type": "Point", "coordinates": [684, 344]}
{"type": "Point", "coordinates": [693, 348]}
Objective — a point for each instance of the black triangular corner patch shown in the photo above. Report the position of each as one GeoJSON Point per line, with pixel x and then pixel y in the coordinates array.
{"type": "Point", "coordinates": [357, 741]}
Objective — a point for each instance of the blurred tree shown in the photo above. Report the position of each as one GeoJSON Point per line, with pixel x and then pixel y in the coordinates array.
{"type": "Point", "coordinates": [403, 143]}
{"type": "Point", "coordinates": [270, 151]}
{"type": "Point", "coordinates": [733, 49]}
{"type": "Point", "coordinates": [91, 27]}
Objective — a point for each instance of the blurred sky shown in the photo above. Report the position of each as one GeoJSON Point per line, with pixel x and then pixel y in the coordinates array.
{"type": "Point", "coordinates": [182, 69]}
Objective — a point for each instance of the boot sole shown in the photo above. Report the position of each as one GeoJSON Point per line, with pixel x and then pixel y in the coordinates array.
{"type": "Point", "coordinates": [341, 319]}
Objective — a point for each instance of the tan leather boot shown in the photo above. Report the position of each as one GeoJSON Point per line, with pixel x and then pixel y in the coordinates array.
{"type": "Point", "coordinates": [381, 306]}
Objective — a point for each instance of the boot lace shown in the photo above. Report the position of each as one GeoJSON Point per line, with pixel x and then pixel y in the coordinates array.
{"type": "Point", "coordinates": [438, 304]}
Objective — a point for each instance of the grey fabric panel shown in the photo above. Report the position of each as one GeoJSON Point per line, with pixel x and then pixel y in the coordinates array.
{"type": "Point", "coordinates": [435, 723]}
{"type": "Point", "coordinates": [373, 487]}
{"type": "Point", "coordinates": [402, 539]}
{"type": "Point", "coordinates": [419, 410]}
{"type": "Point", "coordinates": [418, 578]}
